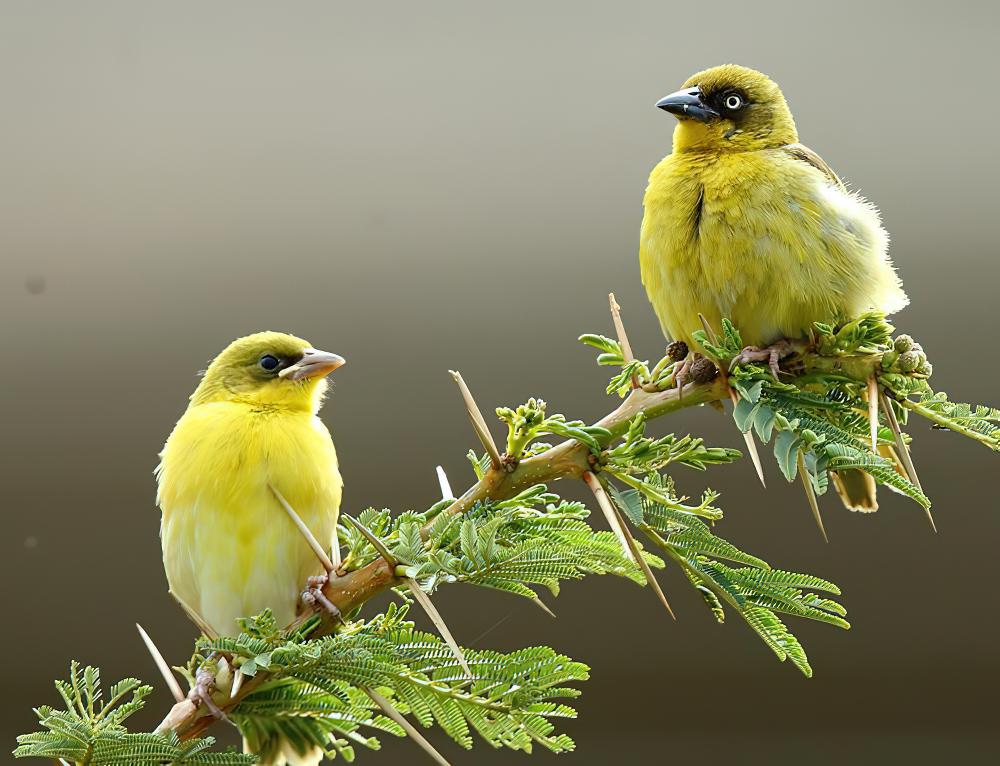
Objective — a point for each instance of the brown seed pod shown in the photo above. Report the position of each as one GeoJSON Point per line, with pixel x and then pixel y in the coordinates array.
{"type": "Point", "coordinates": [677, 350]}
{"type": "Point", "coordinates": [703, 370]}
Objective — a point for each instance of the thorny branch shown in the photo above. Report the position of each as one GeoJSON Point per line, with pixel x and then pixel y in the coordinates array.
{"type": "Point", "coordinates": [504, 478]}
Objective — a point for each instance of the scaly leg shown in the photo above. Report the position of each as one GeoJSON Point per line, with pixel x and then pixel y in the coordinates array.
{"type": "Point", "coordinates": [771, 354]}
{"type": "Point", "coordinates": [201, 692]}
{"type": "Point", "coordinates": [314, 597]}
{"type": "Point", "coordinates": [681, 374]}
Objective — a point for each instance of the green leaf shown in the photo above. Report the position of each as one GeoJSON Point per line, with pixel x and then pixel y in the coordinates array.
{"type": "Point", "coordinates": [786, 452]}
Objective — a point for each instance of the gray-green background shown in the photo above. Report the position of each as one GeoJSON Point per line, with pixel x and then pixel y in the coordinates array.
{"type": "Point", "coordinates": [425, 186]}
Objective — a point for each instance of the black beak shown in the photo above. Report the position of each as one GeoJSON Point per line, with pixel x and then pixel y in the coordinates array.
{"type": "Point", "coordinates": [687, 103]}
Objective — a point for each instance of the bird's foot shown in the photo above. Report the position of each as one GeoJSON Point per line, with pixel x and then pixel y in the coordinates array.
{"type": "Point", "coordinates": [204, 685]}
{"type": "Point", "coordinates": [681, 373]}
{"type": "Point", "coordinates": [771, 354]}
{"type": "Point", "coordinates": [314, 597]}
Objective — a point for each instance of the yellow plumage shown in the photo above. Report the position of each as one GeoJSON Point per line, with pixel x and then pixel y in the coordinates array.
{"type": "Point", "coordinates": [229, 549]}
{"type": "Point", "coordinates": [743, 222]}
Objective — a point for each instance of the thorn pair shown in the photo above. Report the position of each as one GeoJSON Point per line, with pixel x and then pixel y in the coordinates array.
{"type": "Point", "coordinates": [904, 452]}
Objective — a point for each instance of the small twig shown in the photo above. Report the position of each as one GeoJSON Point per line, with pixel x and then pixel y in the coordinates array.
{"type": "Point", "coordinates": [446, 493]}
{"type": "Point", "coordinates": [161, 665]}
{"type": "Point", "coordinates": [811, 496]}
{"type": "Point", "coordinates": [408, 727]}
{"type": "Point", "coordinates": [751, 443]}
{"type": "Point", "coordinates": [324, 559]}
{"type": "Point", "coordinates": [622, 529]}
{"type": "Point", "coordinates": [424, 600]}
{"type": "Point", "coordinates": [872, 393]}
{"type": "Point", "coordinates": [904, 452]}
{"type": "Point", "coordinates": [371, 537]}
{"type": "Point", "coordinates": [616, 318]}
{"type": "Point", "coordinates": [477, 420]}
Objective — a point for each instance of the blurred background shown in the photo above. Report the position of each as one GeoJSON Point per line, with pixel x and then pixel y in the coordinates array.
{"type": "Point", "coordinates": [434, 186]}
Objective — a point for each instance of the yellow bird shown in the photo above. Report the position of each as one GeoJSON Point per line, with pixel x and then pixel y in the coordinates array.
{"type": "Point", "coordinates": [229, 548]}
{"type": "Point", "coordinates": [742, 221]}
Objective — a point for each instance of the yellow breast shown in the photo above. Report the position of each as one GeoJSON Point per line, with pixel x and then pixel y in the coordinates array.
{"type": "Point", "coordinates": [762, 239]}
{"type": "Point", "coordinates": [228, 547]}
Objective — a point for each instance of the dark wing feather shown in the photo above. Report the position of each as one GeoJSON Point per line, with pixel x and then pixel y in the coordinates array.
{"type": "Point", "coordinates": [805, 154]}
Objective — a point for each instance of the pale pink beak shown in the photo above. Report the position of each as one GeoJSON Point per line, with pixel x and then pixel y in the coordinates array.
{"type": "Point", "coordinates": [313, 364]}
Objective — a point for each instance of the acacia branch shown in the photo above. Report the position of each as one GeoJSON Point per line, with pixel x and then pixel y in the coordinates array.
{"type": "Point", "coordinates": [569, 459]}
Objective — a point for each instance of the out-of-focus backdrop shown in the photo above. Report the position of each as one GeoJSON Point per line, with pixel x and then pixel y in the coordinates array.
{"type": "Point", "coordinates": [425, 186]}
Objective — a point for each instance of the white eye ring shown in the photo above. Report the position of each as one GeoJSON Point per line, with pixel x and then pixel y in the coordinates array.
{"type": "Point", "coordinates": [733, 102]}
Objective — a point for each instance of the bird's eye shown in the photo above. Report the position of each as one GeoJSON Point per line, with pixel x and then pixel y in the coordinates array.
{"type": "Point", "coordinates": [268, 362]}
{"type": "Point", "coordinates": [733, 102]}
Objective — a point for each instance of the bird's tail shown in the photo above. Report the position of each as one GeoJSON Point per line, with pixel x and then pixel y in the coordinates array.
{"type": "Point", "coordinates": [857, 488]}
{"type": "Point", "coordinates": [277, 751]}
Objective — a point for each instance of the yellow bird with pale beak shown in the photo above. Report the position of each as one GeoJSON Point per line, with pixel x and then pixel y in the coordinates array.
{"type": "Point", "coordinates": [229, 548]}
{"type": "Point", "coordinates": [250, 434]}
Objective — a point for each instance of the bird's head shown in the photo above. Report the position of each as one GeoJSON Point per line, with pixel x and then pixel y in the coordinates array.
{"type": "Point", "coordinates": [729, 108]}
{"type": "Point", "coordinates": [268, 370]}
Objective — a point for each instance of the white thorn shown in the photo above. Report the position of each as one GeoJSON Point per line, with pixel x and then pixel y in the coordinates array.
{"type": "Point", "coordinates": [408, 727]}
{"type": "Point", "coordinates": [541, 605]}
{"type": "Point", "coordinates": [477, 420]}
{"type": "Point", "coordinates": [161, 665]}
{"type": "Point", "coordinates": [604, 503]}
{"type": "Point", "coordinates": [237, 683]}
{"type": "Point", "coordinates": [811, 496]}
{"type": "Point", "coordinates": [306, 533]}
{"type": "Point", "coordinates": [428, 606]}
{"type": "Point", "coordinates": [751, 444]}
{"type": "Point", "coordinates": [446, 493]}
{"type": "Point", "coordinates": [873, 411]}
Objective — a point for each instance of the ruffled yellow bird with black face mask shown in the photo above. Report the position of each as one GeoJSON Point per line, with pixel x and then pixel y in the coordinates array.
{"type": "Point", "coordinates": [743, 222]}
{"type": "Point", "coordinates": [229, 548]}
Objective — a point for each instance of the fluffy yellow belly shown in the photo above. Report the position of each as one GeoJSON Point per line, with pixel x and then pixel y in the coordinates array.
{"type": "Point", "coordinates": [763, 240]}
{"type": "Point", "coordinates": [229, 549]}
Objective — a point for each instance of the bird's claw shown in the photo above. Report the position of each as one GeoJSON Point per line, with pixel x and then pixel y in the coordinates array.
{"type": "Point", "coordinates": [771, 354]}
{"type": "Point", "coordinates": [314, 597]}
{"type": "Point", "coordinates": [681, 374]}
{"type": "Point", "coordinates": [201, 692]}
